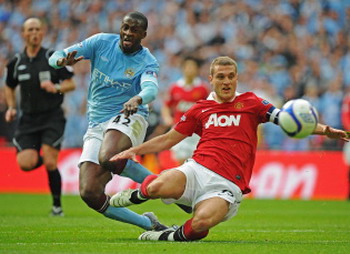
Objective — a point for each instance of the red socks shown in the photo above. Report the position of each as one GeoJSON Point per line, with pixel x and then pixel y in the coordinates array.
{"type": "Point", "coordinates": [145, 183]}
{"type": "Point", "coordinates": [192, 235]}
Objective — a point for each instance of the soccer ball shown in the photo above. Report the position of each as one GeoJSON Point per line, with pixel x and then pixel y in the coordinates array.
{"type": "Point", "coordinates": [298, 118]}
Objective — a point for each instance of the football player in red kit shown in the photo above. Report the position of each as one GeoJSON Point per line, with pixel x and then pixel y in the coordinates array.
{"type": "Point", "coordinates": [215, 179]}
{"type": "Point", "coordinates": [183, 94]}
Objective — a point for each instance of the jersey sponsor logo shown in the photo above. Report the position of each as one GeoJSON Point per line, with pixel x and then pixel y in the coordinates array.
{"type": "Point", "coordinates": [23, 77]}
{"type": "Point", "coordinates": [223, 120]}
{"type": "Point", "coordinates": [22, 67]}
{"type": "Point", "coordinates": [103, 79]}
{"type": "Point", "coordinates": [44, 76]}
{"type": "Point", "coordinates": [129, 73]}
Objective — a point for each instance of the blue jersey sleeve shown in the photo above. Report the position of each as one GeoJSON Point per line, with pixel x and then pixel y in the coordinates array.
{"type": "Point", "coordinates": [86, 48]}
{"type": "Point", "coordinates": [149, 83]}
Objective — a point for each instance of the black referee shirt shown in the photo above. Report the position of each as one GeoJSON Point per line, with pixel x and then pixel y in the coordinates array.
{"type": "Point", "coordinates": [28, 73]}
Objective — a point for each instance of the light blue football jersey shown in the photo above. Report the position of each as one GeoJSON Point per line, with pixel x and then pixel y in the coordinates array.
{"type": "Point", "coordinates": [115, 77]}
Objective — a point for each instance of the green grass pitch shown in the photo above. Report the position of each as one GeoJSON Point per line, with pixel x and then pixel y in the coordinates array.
{"type": "Point", "coordinates": [261, 226]}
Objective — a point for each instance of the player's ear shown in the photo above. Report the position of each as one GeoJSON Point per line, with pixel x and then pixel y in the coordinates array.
{"type": "Point", "coordinates": [210, 78]}
{"type": "Point", "coordinates": [144, 35]}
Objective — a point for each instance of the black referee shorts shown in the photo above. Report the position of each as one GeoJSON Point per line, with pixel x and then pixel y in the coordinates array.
{"type": "Point", "coordinates": [36, 129]}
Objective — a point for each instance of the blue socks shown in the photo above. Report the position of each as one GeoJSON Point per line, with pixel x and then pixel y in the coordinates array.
{"type": "Point", "coordinates": [135, 171]}
{"type": "Point", "coordinates": [125, 215]}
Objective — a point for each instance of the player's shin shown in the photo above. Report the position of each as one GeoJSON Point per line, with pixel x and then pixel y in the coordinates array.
{"type": "Point", "coordinates": [101, 205]}
{"type": "Point", "coordinates": [55, 183]}
{"type": "Point", "coordinates": [125, 215]}
{"type": "Point", "coordinates": [135, 171]}
{"type": "Point", "coordinates": [186, 233]}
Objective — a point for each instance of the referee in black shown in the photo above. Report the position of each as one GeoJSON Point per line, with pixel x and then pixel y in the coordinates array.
{"type": "Point", "coordinates": [41, 122]}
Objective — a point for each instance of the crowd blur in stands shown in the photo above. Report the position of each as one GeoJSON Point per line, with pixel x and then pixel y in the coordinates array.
{"type": "Point", "coordinates": [284, 48]}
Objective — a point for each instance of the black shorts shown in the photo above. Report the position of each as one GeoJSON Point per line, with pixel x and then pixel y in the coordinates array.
{"type": "Point", "coordinates": [36, 129]}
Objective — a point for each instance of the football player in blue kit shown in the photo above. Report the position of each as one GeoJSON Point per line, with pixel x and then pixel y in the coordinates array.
{"type": "Point", "coordinates": [123, 81]}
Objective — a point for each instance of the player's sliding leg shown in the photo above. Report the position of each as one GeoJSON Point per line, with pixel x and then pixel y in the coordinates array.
{"type": "Point", "coordinates": [132, 197]}
{"type": "Point", "coordinates": [208, 213]}
{"type": "Point", "coordinates": [93, 180]}
{"type": "Point", "coordinates": [137, 196]}
{"type": "Point", "coordinates": [182, 234]}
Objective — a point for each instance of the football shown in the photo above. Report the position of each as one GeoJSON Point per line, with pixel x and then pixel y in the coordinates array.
{"type": "Point", "coordinates": [298, 118]}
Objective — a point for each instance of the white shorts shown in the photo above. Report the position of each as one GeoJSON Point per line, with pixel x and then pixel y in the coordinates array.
{"type": "Point", "coordinates": [134, 127]}
{"type": "Point", "coordinates": [202, 184]}
{"type": "Point", "coordinates": [184, 149]}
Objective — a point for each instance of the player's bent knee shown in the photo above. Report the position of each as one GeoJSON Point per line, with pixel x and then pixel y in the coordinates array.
{"type": "Point", "coordinates": [201, 224]}
{"type": "Point", "coordinates": [155, 189]}
{"type": "Point", "coordinates": [88, 195]}
{"type": "Point", "coordinates": [114, 167]}
{"type": "Point", "coordinates": [27, 166]}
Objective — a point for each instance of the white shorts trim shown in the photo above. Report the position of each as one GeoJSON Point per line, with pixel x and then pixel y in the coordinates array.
{"type": "Point", "coordinates": [202, 184]}
{"type": "Point", "coordinates": [134, 127]}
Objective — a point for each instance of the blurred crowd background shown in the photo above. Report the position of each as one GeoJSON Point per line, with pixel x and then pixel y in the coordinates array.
{"type": "Point", "coordinates": [285, 49]}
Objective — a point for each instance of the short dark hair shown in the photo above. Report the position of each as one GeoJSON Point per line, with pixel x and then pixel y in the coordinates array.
{"type": "Point", "coordinates": [140, 17]}
{"type": "Point", "coordinates": [223, 60]}
{"type": "Point", "coordinates": [191, 58]}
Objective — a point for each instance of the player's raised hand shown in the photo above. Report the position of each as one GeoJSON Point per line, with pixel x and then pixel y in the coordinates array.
{"type": "Point", "coordinates": [69, 59]}
{"type": "Point", "coordinates": [131, 106]}
{"type": "Point", "coordinates": [127, 154]}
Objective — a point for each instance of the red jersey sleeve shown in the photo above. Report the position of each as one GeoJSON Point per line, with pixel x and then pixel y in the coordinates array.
{"type": "Point", "coordinates": [188, 123]}
{"type": "Point", "coordinates": [266, 111]}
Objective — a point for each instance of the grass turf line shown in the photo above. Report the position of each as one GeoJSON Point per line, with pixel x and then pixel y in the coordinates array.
{"type": "Point", "coordinates": [261, 226]}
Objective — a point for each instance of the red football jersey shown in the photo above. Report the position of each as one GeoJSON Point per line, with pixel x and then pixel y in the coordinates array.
{"type": "Point", "coordinates": [228, 134]}
{"type": "Point", "coordinates": [182, 98]}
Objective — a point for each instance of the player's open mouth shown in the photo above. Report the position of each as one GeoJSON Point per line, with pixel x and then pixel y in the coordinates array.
{"type": "Point", "coordinates": [127, 43]}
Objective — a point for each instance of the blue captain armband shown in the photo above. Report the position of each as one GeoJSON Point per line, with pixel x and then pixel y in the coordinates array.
{"type": "Point", "coordinates": [149, 92]}
{"type": "Point", "coordinates": [55, 56]}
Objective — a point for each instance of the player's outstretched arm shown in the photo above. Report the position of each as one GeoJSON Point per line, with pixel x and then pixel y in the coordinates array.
{"type": "Point", "coordinates": [59, 59]}
{"type": "Point", "coordinates": [69, 59]}
{"type": "Point", "coordinates": [322, 129]}
{"type": "Point", "coordinates": [157, 144]}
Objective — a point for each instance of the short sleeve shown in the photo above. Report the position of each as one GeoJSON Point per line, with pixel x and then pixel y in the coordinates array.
{"type": "Point", "coordinates": [86, 47]}
{"type": "Point", "coordinates": [188, 123]}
